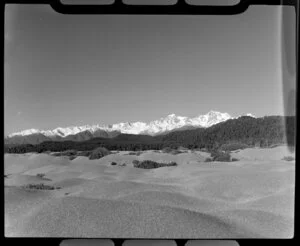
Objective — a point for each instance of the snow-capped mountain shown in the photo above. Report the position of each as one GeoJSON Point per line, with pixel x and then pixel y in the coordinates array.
{"type": "Point", "coordinates": [80, 133]}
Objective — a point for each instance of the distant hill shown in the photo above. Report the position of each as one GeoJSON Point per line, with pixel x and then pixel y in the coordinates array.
{"type": "Point", "coordinates": [263, 132]}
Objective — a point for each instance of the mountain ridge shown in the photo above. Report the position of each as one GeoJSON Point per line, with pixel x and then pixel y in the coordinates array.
{"type": "Point", "coordinates": [170, 123]}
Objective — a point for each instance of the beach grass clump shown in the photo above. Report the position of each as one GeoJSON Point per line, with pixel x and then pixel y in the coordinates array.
{"type": "Point", "coordinates": [99, 153]}
{"type": "Point", "coordinates": [288, 158]}
{"type": "Point", "coordinates": [147, 164]}
{"type": "Point", "coordinates": [40, 187]}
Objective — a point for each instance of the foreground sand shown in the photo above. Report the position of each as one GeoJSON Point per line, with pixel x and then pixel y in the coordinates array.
{"type": "Point", "coordinates": [253, 197]}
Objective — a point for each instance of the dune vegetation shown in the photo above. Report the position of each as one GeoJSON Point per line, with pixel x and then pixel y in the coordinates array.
{"type": "Point", "coordinates": [148, 164]}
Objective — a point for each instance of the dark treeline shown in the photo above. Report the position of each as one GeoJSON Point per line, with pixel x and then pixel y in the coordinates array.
{"type": "Point", "coordinates": [262, 132]}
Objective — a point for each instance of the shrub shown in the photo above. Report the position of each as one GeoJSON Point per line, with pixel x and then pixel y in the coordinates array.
{"type": "Point", "coordinates": [113, 163]}
{"type": "Point", "coordinates": [40, 187]}
{"type": "Point", "coordinates": [288, 158]}
{"type": "Point", "coordinates": [135, 153]}
{"type": "Point", "coordinates": [99, 153]}
{"type": "Point", "coordinates": [167, 150]}
{"type": "Point", "coordinates": [147, 164]}
{"type": "Point", "coordinates": [234, 159]}
{"type": "Point", "coordinates": [66, 153]}
{"type": "Point", "coordinates": [220, 156]}
{"type": "Point", "coordinates": [123, 165]}
{"type": "Point", "coordinates": [208, 160]}
{"type": "Point", "coordinates": [41, 175]}
{"type": "Point", "coordinates": [131, 153]}
{"type": "Point", "coordinates": [72, 158]}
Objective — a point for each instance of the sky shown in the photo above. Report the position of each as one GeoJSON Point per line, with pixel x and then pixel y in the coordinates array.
{"type": "Point", "coordinates": [67, 70]}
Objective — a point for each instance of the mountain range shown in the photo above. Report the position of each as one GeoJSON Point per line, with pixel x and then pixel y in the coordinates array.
{"type": "Point", "coordinates": [161, 126]}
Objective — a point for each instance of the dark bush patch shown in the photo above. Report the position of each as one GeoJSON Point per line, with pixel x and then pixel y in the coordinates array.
{"type": "Point", "coordinates": [135, 153]}
{"type": "Point", "coordinates": [66, 153]}
{"type": "Point", "coordinates": [147, 164]}
{"type": "Point", "coordinates": [288, 158]}
{"type": "Point", "coordinates": [234, 159]}
{"type": "Point", "coordinates": [41, 175]}
{"type": "Point", "coordinates": [220, 156]}
{"type": "Point", "coordinates": [167, 150]}
{"type": "Point", "coordinates": [208, 160]}
{"type": "Point", "coordinates": [99, 153]}
{"type": "Point", "coordinates": [113, 163]}
{"type": "Point", "coordinates": [40, 187]}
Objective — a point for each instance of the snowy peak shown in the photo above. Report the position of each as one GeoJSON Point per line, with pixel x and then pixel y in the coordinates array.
{"type": "Point", "coordinates": [163, 125]}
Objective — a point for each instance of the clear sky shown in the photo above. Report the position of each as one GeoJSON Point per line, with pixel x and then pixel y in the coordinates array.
{"type": "Point", "coordinates": [64, 70]}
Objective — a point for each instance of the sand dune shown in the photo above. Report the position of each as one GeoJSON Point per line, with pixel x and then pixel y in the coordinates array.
{"type": "Point", "coordinates": [258, 154]}
{"type": "Point", "coordinates": [253, 197]}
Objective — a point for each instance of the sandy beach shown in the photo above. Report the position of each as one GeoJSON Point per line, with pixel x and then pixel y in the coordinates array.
{"type": "Point", "coordinates": [249, 198]}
